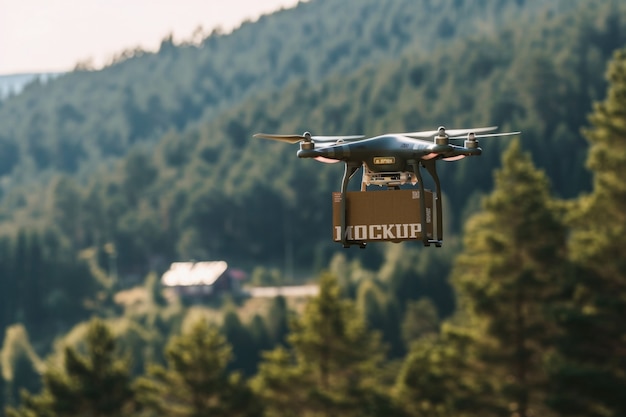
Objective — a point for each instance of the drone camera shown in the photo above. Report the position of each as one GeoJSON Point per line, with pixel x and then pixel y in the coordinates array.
{"type": "Point", "coordinates": [389, 179]}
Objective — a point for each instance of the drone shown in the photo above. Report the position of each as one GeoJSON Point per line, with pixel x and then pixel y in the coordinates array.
{"type": "Point", "coordinates": [391, 160]}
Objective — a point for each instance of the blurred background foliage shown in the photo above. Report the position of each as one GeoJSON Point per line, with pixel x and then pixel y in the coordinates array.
{"type": "Point", "coordinates": [108, 176]}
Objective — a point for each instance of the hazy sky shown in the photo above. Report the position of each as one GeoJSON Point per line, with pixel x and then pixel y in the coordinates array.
{"type": "Point", "coordinates": [53, 35]}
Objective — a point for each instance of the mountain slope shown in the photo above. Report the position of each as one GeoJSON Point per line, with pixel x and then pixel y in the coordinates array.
{"type": "Point", "coordinates": [207, 190]}
{"type": "Point", "coordinates": [84, 117]}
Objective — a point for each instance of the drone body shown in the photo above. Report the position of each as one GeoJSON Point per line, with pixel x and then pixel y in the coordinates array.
{"type": "Point", "coordinates": [390, 160]}
{"type": "Point", "coordinates": [388, 153]}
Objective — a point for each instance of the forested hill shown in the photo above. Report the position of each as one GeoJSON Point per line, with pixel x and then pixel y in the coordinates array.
{"type": "Point", "coordinates": [88, 115]}
{"type": "Point", "coordinates": [190, 181]}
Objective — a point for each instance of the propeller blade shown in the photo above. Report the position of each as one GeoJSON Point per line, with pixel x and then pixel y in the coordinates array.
{"type": "Point", "coordinates": [449, 132]}
{"type": "Point", "coordinates": [488, 135]}
{"type": "Point", "coordinates": [281, 138]}
{"type": "Point", "coordinates": [422, 134]}
{"type": "Point", "coordinates": [336, 138]}
{"type": "Point", "coordinates": [300, 138]}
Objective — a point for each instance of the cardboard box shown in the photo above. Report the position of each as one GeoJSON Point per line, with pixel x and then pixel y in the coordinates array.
{"type": "Point", "coordinates": [386, 215]}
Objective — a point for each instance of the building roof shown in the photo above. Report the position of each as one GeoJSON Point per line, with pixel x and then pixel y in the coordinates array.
{"type": "Point", "coordinates": [193, 273]}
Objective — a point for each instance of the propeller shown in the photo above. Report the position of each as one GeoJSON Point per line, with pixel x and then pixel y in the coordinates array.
{"type": "Point", "coordinates": [306, 137]}
{"type": "Point", "coordinates": [471, 137]}
{"type": "Point", "coordinates": [451, 132]}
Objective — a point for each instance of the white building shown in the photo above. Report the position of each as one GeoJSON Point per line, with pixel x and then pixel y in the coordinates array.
{"type": "Point", "coordinates": [202, 278]}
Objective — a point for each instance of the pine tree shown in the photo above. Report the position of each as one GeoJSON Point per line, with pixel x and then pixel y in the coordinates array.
{"type": "Point", "coordinates": [510, 270]}
{"type": "Point", "coordinates": [420, 319]}
{"type": "Point", "coordinates": [332, 367]}
{"type": "Point", "coordinates": [195, 381]}
{"type": "Point", "coordinates": [278, 320]}
{"type": "Point", "coordinates": [8, 284]}
{"type": "Point", "coordinates": [441, 377]}
{"type": "Point", "coordinates": [588, 375]}
{"type": "Point", "coordinates": [381, 313]}
{"type": "Point", "coordinates": [3, 391]}
{"type": "Point", "coordinates": [96, 384]}
{"type": "Point", "coordinates": [21, 365]}
{"type": "Point", "coordinates": [33, 283]}
{"type": "Point", "coordinates": [239, 337]}
{"type": "Point", "coordinates": [369, 301]}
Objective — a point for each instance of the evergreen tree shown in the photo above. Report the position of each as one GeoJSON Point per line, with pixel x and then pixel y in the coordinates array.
{"type": "Point", "coordinates": [196, 382]}
{"type": "Point", "coordinates": [381, 313]}
{"type": "Point", "coordinates": [420, 319]}
{"type": "Point", "coordinates": [33, 283]}
{"type": "Point", "coordinates": [509, 272]}
{"type": "Point", "coordinates": [8, 284]}
{"type": "Point", "coordinates": [278, 320]}
{"type": "Point", "coordinates": [261, 341]}
{"type": "Point", "coordinates": [21, 275]}
{"type": "Point", "coordinates": [259, 333]}
{"type": "Point", "coordinates": [20, 364]}
{"type": "Point", "coordinates": [96, 384]}
{"type": "Point", "coordinates": [588, 375]}
{"type": "Point", "coordinates": [368, 302]}
{"type": "Point", "coordinates": [3, 391]}
{"type": "Point", "coordinates": [332, 367]}
{"type": "Point", "coordinates": [239, 337]}
{"type": "Point", "coordinates": [441, 377]}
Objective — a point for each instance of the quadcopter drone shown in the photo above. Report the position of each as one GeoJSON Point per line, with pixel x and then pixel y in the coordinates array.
{"type": "Point", "coordinates": [391, 160]}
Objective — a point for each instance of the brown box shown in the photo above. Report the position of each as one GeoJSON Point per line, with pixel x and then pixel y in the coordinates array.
{"type": "Point", "coordinates": [387, 215]}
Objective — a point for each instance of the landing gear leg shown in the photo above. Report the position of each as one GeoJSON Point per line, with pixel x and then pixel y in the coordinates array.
{"type": "Point", "coordinates": [416, 170]}
{"type": "Point", "coordinates": [432, 170]}
{"type": "Point", "coordinates": [349, 170]}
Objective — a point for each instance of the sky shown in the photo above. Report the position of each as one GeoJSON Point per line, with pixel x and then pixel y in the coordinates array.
{"type": "Point", "coordinates": [54, 35]}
